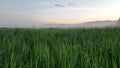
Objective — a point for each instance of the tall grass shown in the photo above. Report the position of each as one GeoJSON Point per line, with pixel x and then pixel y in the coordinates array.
{"type": "Point", "coordinates": [60, 48]}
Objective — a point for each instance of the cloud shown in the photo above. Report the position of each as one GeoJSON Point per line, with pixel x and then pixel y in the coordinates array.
{"type": "Point", "coordinates": [58, 5]}
{"type": "Point", "coordinates": [62, 6]}
{"type": "Point", "coordinates": [71, 4]}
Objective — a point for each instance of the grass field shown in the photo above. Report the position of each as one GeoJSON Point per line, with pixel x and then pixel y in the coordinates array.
{"type": "Point", "coordinates": [60, 48]}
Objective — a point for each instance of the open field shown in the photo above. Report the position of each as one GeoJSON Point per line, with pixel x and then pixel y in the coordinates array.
{"type": "Point", "coordinates": [60, 48]}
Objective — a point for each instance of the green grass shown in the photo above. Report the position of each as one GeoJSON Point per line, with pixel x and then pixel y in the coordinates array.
{"type": "Point", "coordinates": [60, 48]}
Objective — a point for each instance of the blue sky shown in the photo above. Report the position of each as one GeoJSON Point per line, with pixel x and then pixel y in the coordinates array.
{"type": "Point", "coordinates": [34, 12]}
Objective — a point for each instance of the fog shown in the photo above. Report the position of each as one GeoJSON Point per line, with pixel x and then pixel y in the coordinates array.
{"type": "Point", "coordinates": [94, 24]}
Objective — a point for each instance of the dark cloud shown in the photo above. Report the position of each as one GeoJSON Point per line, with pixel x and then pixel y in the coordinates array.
{"type": "Point", "coordinates": [61, 5]}
{"type": "Point", "coordinates": [58, 5]}
{"type": "Point", "coordinates": [71, 4]}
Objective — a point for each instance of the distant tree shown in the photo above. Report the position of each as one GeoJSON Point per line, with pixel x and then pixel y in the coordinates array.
{"type": "Point", "coordinates": [118, 20]}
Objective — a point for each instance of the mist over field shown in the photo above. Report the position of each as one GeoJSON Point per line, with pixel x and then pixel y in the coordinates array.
{"type": "Point", "coordinates": [93, 24]}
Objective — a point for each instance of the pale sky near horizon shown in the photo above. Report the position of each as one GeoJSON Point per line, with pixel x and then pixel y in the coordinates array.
{"type": "Point", "coordinates": [35, 12]}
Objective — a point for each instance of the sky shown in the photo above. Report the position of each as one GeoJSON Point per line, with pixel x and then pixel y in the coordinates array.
{"type": "Point", "coordinates": [38, 12]}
